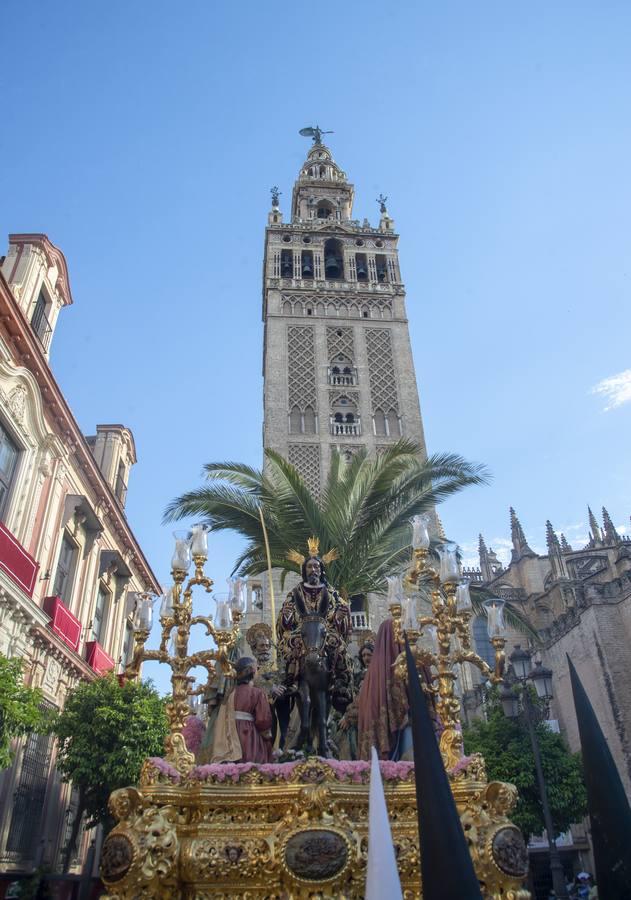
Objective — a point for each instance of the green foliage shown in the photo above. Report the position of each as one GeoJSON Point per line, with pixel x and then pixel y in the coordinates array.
{"type": "Point", "coordinates": [20, 710]}
{"type": "Point", "coordinates": [506, 747]}
{"type": "Point", "coordinates": [364, 509]}
{"type": "Point", "coordinates": [105, 733]}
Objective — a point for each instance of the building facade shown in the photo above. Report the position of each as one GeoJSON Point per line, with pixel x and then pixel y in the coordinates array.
{"type": "Point", "coordinates": [337, 362]}
{"type": "Point", "coordinates": [579, 600]}
{"type": "Point", "coordinates": [70, 566]}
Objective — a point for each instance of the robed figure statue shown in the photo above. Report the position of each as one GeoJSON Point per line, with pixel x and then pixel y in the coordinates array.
{"type": "Point", "coordinates": [313, 629]}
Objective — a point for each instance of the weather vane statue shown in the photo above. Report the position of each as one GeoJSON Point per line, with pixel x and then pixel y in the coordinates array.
{"type": "Point", "coordinates": [314, 132]}
{"type": "Point", "coordinates": [381, 200]}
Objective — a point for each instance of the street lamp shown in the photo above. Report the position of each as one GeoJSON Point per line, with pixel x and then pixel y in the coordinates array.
{"type": "Point", "coordinates": [518, 703]}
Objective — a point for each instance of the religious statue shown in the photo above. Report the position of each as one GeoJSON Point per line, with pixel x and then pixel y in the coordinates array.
{"type": "Point", "coordinates": [381, 200]}
{"type": "Point", "coordinates": [346, 734]}
{"type": "Point", "coordinates": [219, 688]}
{"type": "Point", "coordinates": [269, 678]}
{"type": "Point", "coordinates": [312, 629]}
{"type": "Point", "coordinates": [243, 732]}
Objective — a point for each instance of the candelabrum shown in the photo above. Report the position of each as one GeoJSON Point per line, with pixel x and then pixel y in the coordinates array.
{"type": "Point", "coordinates": [451, 611]}
{"type": "Point", "coordinates": [176, 619]}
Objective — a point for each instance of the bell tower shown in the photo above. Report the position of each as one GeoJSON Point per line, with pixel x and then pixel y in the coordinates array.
{"type": "Point", "coordinates": [337, 362]}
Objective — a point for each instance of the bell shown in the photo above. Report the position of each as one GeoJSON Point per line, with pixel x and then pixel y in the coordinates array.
{"type": "Point", "coordinates": [332, 266]}
{"type": "Point", "coordinates": [362, 271]}
{"type": "Point", "coordinates": [381, 274]}
{"type": "Point", "coordinates": [286, 268]}
{"type": "Point", "coordinates": [307, 269]}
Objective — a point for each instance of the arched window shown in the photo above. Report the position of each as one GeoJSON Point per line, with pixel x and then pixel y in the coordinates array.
{"type": "Point", "coordinates": [338, 417]}
{"type": "Point", "coordinates": [483, 646]}
{"type": "Point", "coordinates": [350, 417]}
{"type": "Point", "coordinates": [309, 420]}
{"type": "Point", "coordinates": [362, 266]}
{"type": "Point", "coordinates": [380, 422]}
{"type": "Point", "coordinates": [333, 259]}
{"type": "Point", "coordinates": [325, 209]}
{"type": "Point", "coordinates": [286, 264]}
{"type": "Point", "coordinates": [295, 421]}
{"type": "Point", "coordinates": [394, 429]}
{"type": "Point", "coordinates": [307, 264]}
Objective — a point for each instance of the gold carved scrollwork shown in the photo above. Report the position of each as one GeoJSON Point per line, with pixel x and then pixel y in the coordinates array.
{"type": "Point", "coordinates": [139, 857]}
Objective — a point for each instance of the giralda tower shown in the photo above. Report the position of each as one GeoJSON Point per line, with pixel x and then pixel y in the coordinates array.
{"type": "Point", "coordinates": [337, 362]}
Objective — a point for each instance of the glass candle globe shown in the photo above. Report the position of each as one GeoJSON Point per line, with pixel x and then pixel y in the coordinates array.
{"type": "Point", "coordinates": [420, 532]}
{"type": "Point", "coordinates": [199, 540]}
{"type": "Point", "coordinates": [223, 616]}
{"type": "Point", "coordinates": [495, 617]}
{"type": "Point", "coordinates": [449, 571]}
{"type": "Point", "coordinates": [463, 597]}
{"type": "Point", "coordinates": [181, 559]}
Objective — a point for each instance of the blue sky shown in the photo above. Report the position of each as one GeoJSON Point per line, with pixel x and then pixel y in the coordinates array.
{"type": "Point", "coordinates": [143, 139]}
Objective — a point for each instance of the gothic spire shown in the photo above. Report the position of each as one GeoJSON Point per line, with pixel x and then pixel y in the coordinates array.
{"type": "Point", "coordinates": [554, 552]}
{"type": "Point", "coordinates": [596, 536]}
{"type": "Point", "coordinates": [565, 547]}
{"type": "Point", "coordinates": [520, 544]}
{"type": "Point", "coordinates": [485, 564]}
{"type": "Point", "coordinates": [611, 535]}
{"type": "Point", "coordinates": [551, 539]}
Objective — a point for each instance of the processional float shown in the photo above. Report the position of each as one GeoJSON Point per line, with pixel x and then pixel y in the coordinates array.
{"type": "Point", "coordinates": [300, 830]}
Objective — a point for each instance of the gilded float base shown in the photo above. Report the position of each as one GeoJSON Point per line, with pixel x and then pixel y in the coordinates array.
{"type": "Point", "coordinates": [297, 835]}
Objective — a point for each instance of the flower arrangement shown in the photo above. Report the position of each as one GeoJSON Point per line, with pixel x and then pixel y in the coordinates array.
{"type": "Point", "coordinates": [193, 732]}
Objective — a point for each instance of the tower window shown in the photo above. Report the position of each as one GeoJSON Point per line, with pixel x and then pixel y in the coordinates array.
{"type": "Point", "coordinates": [287, 238]}
{"type": "Point", "coordinates": [286, 264]}
{"type": "Point", "coordinates": [325, 209]}
{"type": "Point", "coordinates": [309, 421]}
{"type": "Point", "coordinates": [382, 267]}
{"type": "Point", "coordinates": [333, 260]}
{"type": "Point", "coordinates": [295, 421]}
{"type": "Point", "coordinates": [365, 313]}
{"type": "Point", "coordinates": [362, 266]}
{"type": "Point", "coordinates": [307, 264]}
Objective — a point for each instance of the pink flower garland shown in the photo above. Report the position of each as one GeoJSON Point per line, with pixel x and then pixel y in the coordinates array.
{"type": "Point", "coordinates": [356, 771]}
{"type": "Point", "coordinates": [193, 732]}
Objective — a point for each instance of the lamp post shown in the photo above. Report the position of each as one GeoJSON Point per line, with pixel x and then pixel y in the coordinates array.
{"type": "Point", "coordinates": [519, 705]}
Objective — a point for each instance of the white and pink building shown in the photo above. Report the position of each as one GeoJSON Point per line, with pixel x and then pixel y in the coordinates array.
{"type": "Point", "coordinates": [70, 566]}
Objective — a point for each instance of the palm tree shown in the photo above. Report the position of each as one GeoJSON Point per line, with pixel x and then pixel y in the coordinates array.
{"type": "Point", "coordinates": [363, 511]}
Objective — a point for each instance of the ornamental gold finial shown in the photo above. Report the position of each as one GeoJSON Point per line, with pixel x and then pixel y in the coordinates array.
{"type": "Point", "coordinates": [313, 543]}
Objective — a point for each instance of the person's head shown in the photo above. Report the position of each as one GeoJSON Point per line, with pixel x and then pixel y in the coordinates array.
{"type": "Point", "coordinates": [259, 637]}
{"type": "Point", "coordinates": [313, 571]}
{"type": "Point", "coordinates": [365, 653]}
{"type": "Point", "coordinates": [246, 669]}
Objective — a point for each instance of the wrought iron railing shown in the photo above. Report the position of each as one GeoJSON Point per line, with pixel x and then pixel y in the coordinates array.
{"type": "Point", "coordinates": [41, 326]}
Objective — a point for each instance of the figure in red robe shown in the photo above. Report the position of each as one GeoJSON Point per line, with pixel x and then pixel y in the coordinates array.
{"type": "Point", "coordinates": [243, 732]}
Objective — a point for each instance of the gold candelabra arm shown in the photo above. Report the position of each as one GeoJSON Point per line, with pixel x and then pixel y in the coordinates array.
{"type": "Point", "coordinates": [498, 644]}
{"type": "Point", "coordinates": [204, 620]}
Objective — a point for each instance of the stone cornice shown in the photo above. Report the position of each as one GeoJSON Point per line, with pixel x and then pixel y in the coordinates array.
{"type": "Point", "coordinates": [30, 354]}
{"type": "Point", "coordinates": [54, 257]}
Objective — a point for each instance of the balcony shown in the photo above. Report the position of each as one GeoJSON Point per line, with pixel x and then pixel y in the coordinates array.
{"type": "Point", "coordinates": [359, 620]}
{"type": "Point", "coordinates": [16, 562]}
{"type": "Point", "coordinates": [345, 429]}
{"type": "Point", "coordinates": [41, 326]}
{"type": "Point", "coordinates": [97, 658]}
{"type": "Point", "coordinates": [342, 377]}
{"type": "Point", "coordinates": [62, 622]}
